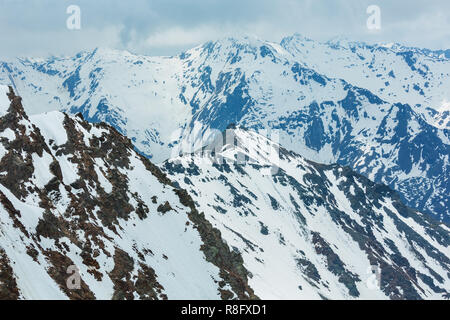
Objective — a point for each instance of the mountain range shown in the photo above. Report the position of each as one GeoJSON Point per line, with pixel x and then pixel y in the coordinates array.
{"type": "Point", "coordinates": [241, 218]}
{"type": "Point", "coordinates": [380, 109]}
{"type": "Point", "coordinates": [239, 169]}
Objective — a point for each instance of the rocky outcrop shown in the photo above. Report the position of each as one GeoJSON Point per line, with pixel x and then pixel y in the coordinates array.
{"type": "Point", "coordinates": [8, 285]}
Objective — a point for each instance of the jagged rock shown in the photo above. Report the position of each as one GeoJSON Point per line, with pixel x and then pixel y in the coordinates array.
{"type": "Point", "coordinates": [163, 208]}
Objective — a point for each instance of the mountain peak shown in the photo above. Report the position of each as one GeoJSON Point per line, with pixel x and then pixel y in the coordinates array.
{"type": "Point", "coordinates": [297, 37]}
{"type": "Point", "coordinates": [249, 42]}
{"type": "Point", "coordinates": [13, 103]}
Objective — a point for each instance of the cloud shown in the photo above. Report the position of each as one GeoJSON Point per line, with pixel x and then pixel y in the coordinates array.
{"type": "Point", "coordinates": [178, 36]}
{"type": "Point", "coordinates": [38, 27]}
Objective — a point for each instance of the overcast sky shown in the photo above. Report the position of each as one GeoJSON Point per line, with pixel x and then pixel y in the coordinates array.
{"type": "Point", "coordinates": [165, 27]}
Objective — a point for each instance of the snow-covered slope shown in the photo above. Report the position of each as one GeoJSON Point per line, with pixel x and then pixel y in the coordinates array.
{"type": "Point", "coordinates": [75, 195]}
{"type": "Point", "coordinates": [307, 230]}
{"type": "Point", "coordinates": [135, 94]}
{"type": "Point", "coordinates": [324, 119]}
{"type": "Point", "coordinates": [4, 101]}
{"type": "Point", "coordinates": [419, 77]}
{"type": "Point", "coordinates": [328, 103]}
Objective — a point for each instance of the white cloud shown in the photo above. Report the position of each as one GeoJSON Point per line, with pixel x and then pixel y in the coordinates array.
{"type": "Point", "coordinates": [36, 27]}
{"type": "Point", "coordinates": [58, 42]}
{"type": "Point", "coordinates": [178, 36]}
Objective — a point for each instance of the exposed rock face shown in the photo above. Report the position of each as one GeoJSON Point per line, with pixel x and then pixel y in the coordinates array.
{"type": "Point", "coordinates": [76, 199]}
{"type": "Point", "coordinates": [8, 284]}
{"type": "Point", "coordinates": [308, 230]}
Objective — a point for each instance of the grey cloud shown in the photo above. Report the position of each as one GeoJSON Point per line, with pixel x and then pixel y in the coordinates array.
{"type": "Point", "coordinates": [38, 27]}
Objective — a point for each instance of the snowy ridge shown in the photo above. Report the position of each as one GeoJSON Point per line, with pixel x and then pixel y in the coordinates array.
{"type": "Point", "coordinates": [77, 194]}
{"type": "Point", "coordinates": [311, 231]}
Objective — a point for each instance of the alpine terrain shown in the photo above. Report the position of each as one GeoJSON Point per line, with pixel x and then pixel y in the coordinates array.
{"type": "Point", "coordinates": [381, 109]}
{"type": "Point", "coordinates": [242, 219]}
{"type": "Point", "coordinates": [239, 169]}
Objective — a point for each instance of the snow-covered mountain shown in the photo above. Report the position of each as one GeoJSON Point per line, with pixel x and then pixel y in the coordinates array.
{"type": "Point", "coordinates": [234, 220]}
{"type": "Point", "coordinates": [307, 230]}
{"type": "Point", "coordinates": [381, 109]}
{"type": "Point", "coordinates": [395, 73]}
{"type": "Point", "coordinates": [75, 195]}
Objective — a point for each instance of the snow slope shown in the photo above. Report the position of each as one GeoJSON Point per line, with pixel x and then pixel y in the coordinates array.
{"type": "Point", "coordinates": [312, 231]}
